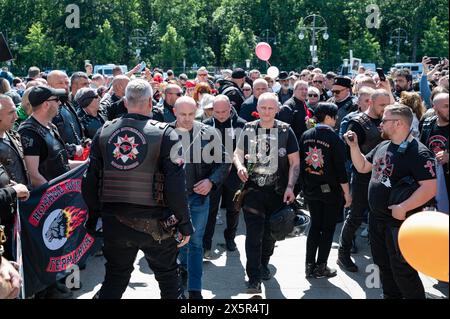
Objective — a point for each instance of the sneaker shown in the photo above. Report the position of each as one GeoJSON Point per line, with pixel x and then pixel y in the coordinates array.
{"type": "Point", "coordinates": [231, 245]}
{"type": "Point", "coordinates": [207, 254]}
{"type": "Point", "coordinates": [309, 269]}
{"type": "Point", "coordinates": [195, 294]}
{"type": "Point", "coordinates": [344, 261]}
{"type": "Point", "coordinates": [265, 272]}
{"type": "Point", "coordinates": [254, 287]}
{"type": "Point", "coordinates": [322, 271]}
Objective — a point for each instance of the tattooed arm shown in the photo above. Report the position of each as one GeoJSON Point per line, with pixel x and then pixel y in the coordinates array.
{"type": "Point", "coordinates": [294, 171]}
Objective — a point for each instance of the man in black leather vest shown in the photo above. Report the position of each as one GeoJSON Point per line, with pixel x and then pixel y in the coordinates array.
{"type": "Point", "coordinates": [137, 184]}
{"type": "Point", "coordinates": [365, 125]}
{"type": "Point", "coordinates": [45, 154]}
{"type": "Point", "coordinates": [69, 125]}
{"type": "Point", "coordinates": [229, 125]}
{"type": "Point", "coordinates": [13, 174]}
{"type": "Point", "coordinates": [269, 150]}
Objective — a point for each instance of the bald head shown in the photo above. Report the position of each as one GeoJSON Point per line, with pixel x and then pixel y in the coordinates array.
{"type": "Point", "coordinates": [440, 106]}
{"type": "Point", "coordinates": [221, 108]}
{"type": "Point", "coordinates": [119, 85]}
{"type": "Point", "coordinates": [185, 109]}
{"type": "Point", "coordinates": [58, 80]}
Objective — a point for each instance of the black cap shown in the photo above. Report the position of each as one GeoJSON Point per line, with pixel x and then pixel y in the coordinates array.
{"type": "Point", "coordinates": [238, 74]}
{"type": "Point", "coordinates": [40, 94]}
{"type": "Point", "coordinates": [85, 96]}
{"type": "Point", "coordinates": [283, 76]}
{"type": "Point", "coordinates": [343, 81]}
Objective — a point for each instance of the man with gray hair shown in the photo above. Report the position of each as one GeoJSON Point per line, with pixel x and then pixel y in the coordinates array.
{"type": "Point", "coordinates": [229, 125]}
{"type": "Point", "coordinates": [139, 186]}
{"type": "Point", "coordinates": [393, 162]}
{"type": "Point", "coordinates": [270, 148]}
{"type": "Point", "coordinates": [248, 108]}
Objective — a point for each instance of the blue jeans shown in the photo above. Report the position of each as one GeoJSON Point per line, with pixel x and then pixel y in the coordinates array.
{"type": "Point", "coordinates": [191, 255]}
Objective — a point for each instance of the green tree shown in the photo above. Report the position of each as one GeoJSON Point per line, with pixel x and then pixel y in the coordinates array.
{"type": "Point", "coordinates": [237, 49]}
{"type": "Point", "coordinates": [173, 48]}
{"type": "Point", "coordinates": [104, 45]}
{"type": "Point", "coordinates": [435, 39]}
{"type": "Point", "coordinates": [39, 49]}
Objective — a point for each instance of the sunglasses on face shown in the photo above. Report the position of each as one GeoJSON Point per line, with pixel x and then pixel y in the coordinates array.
{"type": "Point", "coordinates": [54, 99]}
{"type": "Point", "coordinates": [336, 91]}
{"type": "Point", "coordinates": [319, 82]}
{"type": "Point", "coordinates": [179, 94]}
{"type": "Point", "coordinates": [313, 95]}
{"type": "Point", "coordinates": [246, 89]}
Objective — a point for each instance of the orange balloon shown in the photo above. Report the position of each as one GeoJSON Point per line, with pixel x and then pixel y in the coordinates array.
{"type": "Point", "coordinates": [423, 240]}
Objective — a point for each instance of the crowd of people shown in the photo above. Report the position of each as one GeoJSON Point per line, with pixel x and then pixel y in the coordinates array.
{"type": "Point", "coordinates": [163, 148]}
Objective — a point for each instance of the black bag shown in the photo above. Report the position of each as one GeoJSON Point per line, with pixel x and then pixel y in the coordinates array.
{"type": "Point", "coordinates": [403, 190]}
{"type": "Point", "coordinates": [282, 222]}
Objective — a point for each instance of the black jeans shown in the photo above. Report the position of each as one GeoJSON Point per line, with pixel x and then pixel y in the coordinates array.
{"type": "Point", "coordinates": [324, 214]}
{"type": "Point", "coordinates": [359, 206]}
{"type": "Point", "coordinates": [398, 278]}
{"type": "Point", "coordinates": [121, 245]}
{"type": "Point", "coordinates": [232, 217]}
{"type": "Point", "coordinates": [259, 204]}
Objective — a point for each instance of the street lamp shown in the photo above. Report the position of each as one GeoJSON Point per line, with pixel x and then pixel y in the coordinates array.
{"type": "Point", "coordinates": [269, 36]}
{"type": "Point", "coordinates": [247, 63]}
{"type": "Point", "coordinates": [138, 39]}
{"type": "Point", "coordinates": [398, 34]}
{"type": "Point", "coordinates": [315, 30]}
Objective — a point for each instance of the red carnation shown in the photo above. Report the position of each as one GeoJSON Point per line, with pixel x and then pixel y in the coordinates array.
{"type": "Point", "coordinates": [255, 115]}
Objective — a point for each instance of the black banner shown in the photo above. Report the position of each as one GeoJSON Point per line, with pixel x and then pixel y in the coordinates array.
{"type": "Point", "coordinates": [53, 235]}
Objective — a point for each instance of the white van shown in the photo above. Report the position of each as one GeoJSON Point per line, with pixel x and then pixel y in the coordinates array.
{"type": "Point", "coordinates": [106, 69]}
{"type": "Point", "coordinates": [414, 68]}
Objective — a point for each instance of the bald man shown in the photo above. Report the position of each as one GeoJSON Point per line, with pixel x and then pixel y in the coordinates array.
{"type": "Point", "coordinates": [205, 171]}
{"type": "Point", "coordinates": [69, 126]}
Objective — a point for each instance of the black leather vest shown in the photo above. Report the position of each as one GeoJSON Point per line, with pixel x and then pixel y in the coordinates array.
{"type": "Point", "coordinates": [131, 173]}
{"type": "Point", "coordinates": [345, 107]}
{"type": "Point", "coordinates": [11, 157]}
{"type": "Point", "coordinates": [56, 163]}
{"type": "Point", "coordinates": [69, 126]}
{"type": "Point", "coordinates": [373, 135]}
{"type": "Point", "coordinates": [91, 124]}
{"type": "Point", "coordinates": [283, 162]}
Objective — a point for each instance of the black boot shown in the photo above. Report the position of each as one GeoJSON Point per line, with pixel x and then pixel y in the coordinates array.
{"type": "Point", "coordinates": [346, 262]}
{"type": "Point", "coordinates": [322, 271]}
{"type": "Point", "coordinates": [309, 269]}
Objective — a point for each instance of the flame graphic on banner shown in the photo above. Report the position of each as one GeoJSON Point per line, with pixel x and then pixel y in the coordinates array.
{"type": "Point", "coordinates": [74, 218]}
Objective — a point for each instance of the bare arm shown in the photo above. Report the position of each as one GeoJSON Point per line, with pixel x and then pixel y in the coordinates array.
{"type": "Point", "coordinates": [238, 160]}
{"type": "Point", "coordinates": [361, 164]}
{"type": "Point", "coordinates": [294, 169]}
{"type": "Point", "coordinates": [32, 163]}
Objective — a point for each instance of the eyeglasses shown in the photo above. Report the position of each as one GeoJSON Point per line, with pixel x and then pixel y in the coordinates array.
{"type": "Point", "coordinates": [313, 95]}
{"type": "Point", "coordinates": [320, 82]}
{"type": "Point", "coordinates": [336, 91]}
{"type": "Point", "coordinates": [387, 120]}
{"type": "Point", "coordinates": [179, 94]}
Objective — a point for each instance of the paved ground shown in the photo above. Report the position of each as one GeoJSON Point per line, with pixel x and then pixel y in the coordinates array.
{"type": "Point", "coordinates": [224, 275]}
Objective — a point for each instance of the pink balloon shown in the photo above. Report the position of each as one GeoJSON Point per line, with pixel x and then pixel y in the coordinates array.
{"type": "Point", "coordinates": [263, 51]}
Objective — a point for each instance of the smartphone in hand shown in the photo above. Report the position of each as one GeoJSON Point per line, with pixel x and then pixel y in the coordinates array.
{"type": "Point", "coordinates": [381, 74]}
{"type": "Point", "coordinates": [142, 67]}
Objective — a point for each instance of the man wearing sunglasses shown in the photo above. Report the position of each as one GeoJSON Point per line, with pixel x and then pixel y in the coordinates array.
{"type": "Point", "coordinates": [343, 98]}
{"type": "Point", "coordinates": [319, 83]}
{"type": "Point", "coordinates": [171, 94]}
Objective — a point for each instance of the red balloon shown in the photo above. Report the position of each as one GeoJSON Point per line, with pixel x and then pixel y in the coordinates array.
{"type": "Point", "coordinates": [263, 51]}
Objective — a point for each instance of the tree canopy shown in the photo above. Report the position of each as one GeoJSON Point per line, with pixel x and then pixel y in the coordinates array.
{"type": "Point", "coordinates": [219, 32]}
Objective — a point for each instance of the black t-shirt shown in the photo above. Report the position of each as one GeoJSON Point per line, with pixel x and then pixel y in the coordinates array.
{"type": "Point", "coordinates": [322, 162]}
{"type": "Point", "coordinates": [33, 144]}
{"type": "Point", "coordinates": [263, 173]}
{"type": "Point", "coordinates": [389, 167]}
